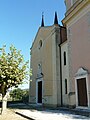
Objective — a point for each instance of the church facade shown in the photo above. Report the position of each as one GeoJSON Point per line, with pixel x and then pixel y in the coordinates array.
{"type": "Point", "coordinates": [60, 59]}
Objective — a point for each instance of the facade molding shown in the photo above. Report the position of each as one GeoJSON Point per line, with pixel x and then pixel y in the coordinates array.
{"type": "Point", "coordinates": [75, 11]}
{"type": "Point", "coordinates": [79, 16]}
{"type": "Point", "coordinates": [81, 72]}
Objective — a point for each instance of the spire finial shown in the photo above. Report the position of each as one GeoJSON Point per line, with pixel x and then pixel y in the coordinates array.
{"type": "Point", "coordinates": [55, 19]}
{"type": "Point", "coordinates": [42, 23]}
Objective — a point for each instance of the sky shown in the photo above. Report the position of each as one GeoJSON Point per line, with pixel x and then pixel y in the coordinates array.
{"type": "Point", "coordinates": [20, 20]}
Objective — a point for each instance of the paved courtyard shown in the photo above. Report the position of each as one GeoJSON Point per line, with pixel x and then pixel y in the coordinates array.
{"type": "Point", "coordinates": [51, 115]}
{"type": "Point", "coordinates": [11, 115]}
{"type": "Point", "coordinates": [24, 112]}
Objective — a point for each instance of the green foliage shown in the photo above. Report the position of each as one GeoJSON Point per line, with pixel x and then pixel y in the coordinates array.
{"type": "Point", "coordinates": [13, 68]}
{"type": "Point", "coordinates": [16, 94]}
{"type": "Point", "coordinates": [19, 94]}
{"type": "Point", "coordinates": [25, 97]}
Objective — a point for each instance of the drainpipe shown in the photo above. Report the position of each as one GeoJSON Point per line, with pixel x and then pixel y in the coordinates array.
{"type": "Point", "coordinates": [60, 67]}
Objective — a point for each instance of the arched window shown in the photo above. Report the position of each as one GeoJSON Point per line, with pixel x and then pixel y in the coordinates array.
{"type": "Point", "coordinates": [64, 55]}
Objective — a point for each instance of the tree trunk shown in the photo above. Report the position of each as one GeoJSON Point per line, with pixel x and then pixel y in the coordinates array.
{"type": "Point", "coordinates": [4, 98]}
{"type": "Point", "coordinates": [4, 104]}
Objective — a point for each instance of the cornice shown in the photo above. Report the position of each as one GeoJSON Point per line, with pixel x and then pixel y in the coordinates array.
{"type": "Point", "coordinates": [78, 6]}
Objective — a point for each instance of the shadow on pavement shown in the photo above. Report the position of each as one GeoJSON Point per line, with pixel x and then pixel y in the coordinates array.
{"type": "Point", "coordinates": [26, 106]}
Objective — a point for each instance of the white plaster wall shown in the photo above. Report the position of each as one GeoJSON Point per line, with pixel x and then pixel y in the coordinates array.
{"type": "Point", "coordinates": [65, 73]}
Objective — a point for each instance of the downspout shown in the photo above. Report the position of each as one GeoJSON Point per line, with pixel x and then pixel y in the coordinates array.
{"type": "Point", "coordinates": [60, 67]}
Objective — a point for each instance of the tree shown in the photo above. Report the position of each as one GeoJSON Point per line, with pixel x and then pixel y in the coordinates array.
{"type": "Point", "coordinates": [25, 97]}
{"type": "Point", "coordinates": [13, 69]}
{"type": "Point", "coordinates": [19, 95]}
{"type": "Point", "coordinates": [16, 94]}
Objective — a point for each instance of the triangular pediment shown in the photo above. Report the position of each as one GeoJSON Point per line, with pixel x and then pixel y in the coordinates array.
{"type": "Point", "coordinates": [80, 72]}
{"type": "Point", "coordinates": [42, 33]}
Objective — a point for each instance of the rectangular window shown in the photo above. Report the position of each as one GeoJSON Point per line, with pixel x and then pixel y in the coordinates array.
{"type": "Point", "coordinates": [65, 86]}
{"type": "Point", "coordinates": [64, 58]}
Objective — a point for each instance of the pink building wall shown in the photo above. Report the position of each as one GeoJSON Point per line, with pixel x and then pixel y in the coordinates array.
{"type": "Point", "coordinates": [80, 44]}
{"type": "Point", "coordinates": [77, 22]}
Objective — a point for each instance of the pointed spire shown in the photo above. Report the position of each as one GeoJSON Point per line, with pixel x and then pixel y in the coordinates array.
{"type": "Point", "coordinates": [42, 23]}
{"type": "Point", "coordinates": [55, 19]}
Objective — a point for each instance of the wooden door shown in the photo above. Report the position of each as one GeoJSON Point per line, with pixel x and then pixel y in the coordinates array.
{"type": "Point", "coordinates": [82, 92]}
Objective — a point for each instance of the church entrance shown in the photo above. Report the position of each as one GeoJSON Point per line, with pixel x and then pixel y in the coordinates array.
{"type": "Point", "coordinates": [82, 92]}
{"type": "Point", "coordinates": [39, 92]}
